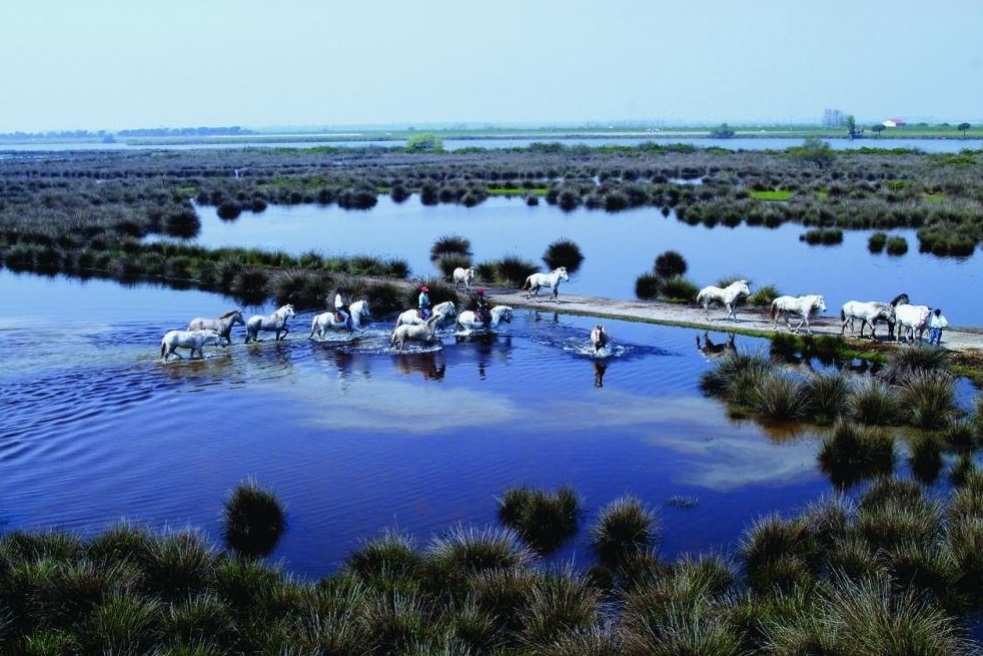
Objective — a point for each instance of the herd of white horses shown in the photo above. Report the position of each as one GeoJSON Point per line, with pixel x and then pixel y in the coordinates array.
{"type": "Point", "coordinates": [910, 320]}
{"type": "Point", "coordinates": [410, 326]}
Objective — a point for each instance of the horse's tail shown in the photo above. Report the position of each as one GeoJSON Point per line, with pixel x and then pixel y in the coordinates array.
{"type": "Point", "coordinates": [163, 348]}
{"type": "Point", "coordinates": [774, 309]}
{"type": "Point", "coordinates": [527, 284]}
{"type": "Point", "coordinates": [842, 314]}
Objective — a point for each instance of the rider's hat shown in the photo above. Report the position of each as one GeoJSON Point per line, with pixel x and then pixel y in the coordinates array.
{"type": "Point", "coordinates": [481, 291]}
{"type": "Point", "coordinates": [424, 289]}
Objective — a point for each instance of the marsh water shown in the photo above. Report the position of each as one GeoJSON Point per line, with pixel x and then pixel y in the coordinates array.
{"type": "Point", "coordinates": [357, 439]}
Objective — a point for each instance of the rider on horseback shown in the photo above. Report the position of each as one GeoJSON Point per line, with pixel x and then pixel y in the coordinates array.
{"type": "Point", "coordinates": [342, 313]}
{"type": "Point", "coordinates": [482, 312]}
{"type": "Point", "coordinates": [423, 303]}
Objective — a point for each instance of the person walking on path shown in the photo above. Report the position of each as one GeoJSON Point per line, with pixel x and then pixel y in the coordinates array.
{"type": "Point", "coordinates": [936, 322]}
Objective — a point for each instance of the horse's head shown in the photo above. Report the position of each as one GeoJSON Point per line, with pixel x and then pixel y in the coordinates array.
{"type": "Point", "coordinates": [562, 272]}
{"type": "Point", "coordinates": [237, 318]}
{"type": "Point", "coordinates": [503, 312]}
{"type": "Point", "coordinates": [743, 288]}
{"type": "Point", "coordinates": [287, 310]}
{"type": "Point", "coordinates": [819, 305]}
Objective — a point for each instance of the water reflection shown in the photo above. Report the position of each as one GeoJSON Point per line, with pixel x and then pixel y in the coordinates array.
{"type": "Point", "coordinates": [600, 368]}
{"type": "Point", "coordinates": [431, 364]}
{"type": "Point", "coordinates": [712, 350]}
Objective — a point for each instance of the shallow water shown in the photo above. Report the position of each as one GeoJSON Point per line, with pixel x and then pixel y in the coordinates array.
{"type": "Point", "coordinates": [617, 248]}
{"type": "Point", "coordinates": [355, 438]}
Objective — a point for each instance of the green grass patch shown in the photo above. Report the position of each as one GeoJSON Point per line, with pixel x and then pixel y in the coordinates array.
{"type": "Point", "coordinates": [771, 194]}
{"type": "Point", "coordinates": [517, 191]}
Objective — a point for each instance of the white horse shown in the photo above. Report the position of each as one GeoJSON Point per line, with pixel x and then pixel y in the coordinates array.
{"type": "Point", "coordinates": [446, 310]}
{"type": "Point", "coordinates": [598, 337]}
{"type": "Point", "coordinates": [466, 276]}
{"type": "Point", "coordinates": [222, 325]}
{"type": "Point", "coordinates": [275, 323]}
{"type": "Point", "coordinates": [357, 318]}
{"type": "Point", "coordinates": [726, 296]}
{"type": "Point", "coordinates": [424, 332]}
{"type": "Point", "coordinates": [500, 313]}
{"type": "Point", "coordinates": [803, 306]}
{"type": "Point", "coordinates": [551, 280]}
{"type": "Point", "coordinates": [869, 313]}
{"type": "Point", "coordinates": [195, 340]}
{"type": "Point", "coordinates": [911, 318]}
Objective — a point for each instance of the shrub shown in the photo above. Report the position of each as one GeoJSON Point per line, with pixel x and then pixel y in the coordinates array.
{"type": "Point", "coordinates": [253, 521]}
{"type": "Point", "coordinates": [873, 403]}
{"type": "Point", "coordinates": [563, 252]}
{"type": "Point", "coordinates": [897, 246]}
{"type": "Point", "coordinates": [876, 242]}
{"type": "Point", "coordinates": [927, 399]}
{"type": "Point", "coordinates": [514, 270]}
{"type": "Point", "coordinates": [853, 452]}
{"type": "Point", "coordinates": [780, 397]}
{"type": "Point", "coordinates": [543, 521]}
{"type": "Point", "coordinates": [678, 289]}
{"type": "Point", "coordinates": [647, 286]}
{"type": "Point", "coordinates": [624, 528]}
{"type": "Point", "coordinates": [670, 264]}
{"type": "Point", "coordinates": [450, 244]}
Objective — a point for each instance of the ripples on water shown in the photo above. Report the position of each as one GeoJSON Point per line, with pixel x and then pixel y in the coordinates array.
{"type": "Point", "coordinates": [356, 438]}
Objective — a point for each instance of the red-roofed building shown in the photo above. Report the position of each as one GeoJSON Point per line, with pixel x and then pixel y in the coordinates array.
{"type": "Point", "coordinates": [893, 123]}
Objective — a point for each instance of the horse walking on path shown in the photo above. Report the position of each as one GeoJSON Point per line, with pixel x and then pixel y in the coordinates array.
{"type": "Point", "coordinates": [465, 276]}
{"type": "Point", "coordinates": [195, 340]}
{"type": "Point", "coordinates": [803, 306]}
{"type": "Point", "coordinates": [727, 296]}
{"type": "Point", "coordinates": [911, 319]}
{"type": "Point", "coordinates": [222, 325]}
{"type": "Point", "coordinates": [869, 313]}
{"type": "Point", "coordinates": [549, 280]}
{"type": "Point", "coordinates": [275, 323]}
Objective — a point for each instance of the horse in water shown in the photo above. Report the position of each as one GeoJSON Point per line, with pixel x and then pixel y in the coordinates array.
{"type": "Point", "coordinates": [424, 332]}
{"type": "Point", "coordinates": [803, 306]}
{"type": "Point", "coordinates": [469, 322]}
{"type": "Point", "coordinates": [337, 320]}
{"type": "Point", "coordinates": [222, 325]}
{"type": "Point", "coordinates": [869, 313]}
{"type": "Point", "coordinates": [911, 319]}
{"type": "Point", "coordinates": [275, 323]}
{"type": "Point", "coordinates": [710, 350]}
{"type": "Point", "coordinates": [465, 276]}
{"type": "Point", "coordinates": [549, 280]}
{"type": "Point", "coordinates": [446, 310]}
{"type": "Point", "coordinates": [598, 337]}
{"type": "Point", "coordinates": [195, 340]}
{"type": "Point", "coordinates": [727, 296]}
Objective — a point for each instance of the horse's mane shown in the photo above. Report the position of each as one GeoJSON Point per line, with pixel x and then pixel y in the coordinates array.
{"type": "Point", "coordinates": [900, 298]}
{"type": "Point", "coordinates": [228, 314]}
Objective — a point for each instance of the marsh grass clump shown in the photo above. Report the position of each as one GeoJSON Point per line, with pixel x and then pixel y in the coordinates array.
{"type": "Point", "coordinates": [852, 452]}
{"type": "Point", "coordinates": [623, 529]}
{"type": "Point", "coordinates": [647, 286]}
{"type": "Point", "coordinates": [563, 252]}
{"type": "Point", "coordinates": [559, 603]}
{"type": "Point", "coordinates": [902, 364]}
{"type": "Point", "coordinates": [670, 264]}
{"type": "Point", "coordinates": [466, 550]}
{"type": "Point", "coordinates": [927, 399]}
{"type": "Point", "coordinates": [897, 246]}
{"type": "Point", "coordinates": [513, 270]}
{"type": "Point", "coordinates": [544, 521]}
{"type": "Point", "coordinates": [925, 457]}
{"type": "Point", "coordinates": [735, 377]}
{"type": "Point", "coordinates": [678, 289]}
{"type": "Point", "coordinates": [780, 396]}
{"type": "Point", "coordinates": [877, 241]}
{"type": "Point", "coordinates": [778, 553]}
{"type": "Point", "coordinates": [873, 403]}
{"type": "Point", "coordinates": [253, 520]}
{"type": "Point", "coordinates": [826, 395]}
{"type": "Point", "coordinates": [391, 557]}
{"type": "Point", "coordinates": [450, 245]}
{"type": "Point", "coordinates": [763, 296]}
{"type": "Point", "coordinates": [447, 262]}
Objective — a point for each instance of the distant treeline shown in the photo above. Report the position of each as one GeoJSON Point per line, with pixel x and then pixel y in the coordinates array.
{"type": "Point", "coordinates": [141, 132]}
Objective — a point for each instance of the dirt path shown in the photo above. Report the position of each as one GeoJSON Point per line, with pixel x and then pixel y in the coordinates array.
{"type": "Point", "coordinates": [966, 343]}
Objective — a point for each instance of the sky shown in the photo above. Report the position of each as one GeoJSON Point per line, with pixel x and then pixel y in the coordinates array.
{"type": "Point", "coordinates": [127, 64]}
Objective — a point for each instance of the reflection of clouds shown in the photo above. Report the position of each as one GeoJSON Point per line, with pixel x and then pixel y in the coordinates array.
{"type": "Point", "coordinates": [711, 450]}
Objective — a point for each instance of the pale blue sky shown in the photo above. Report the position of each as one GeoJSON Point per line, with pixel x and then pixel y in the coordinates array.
{"type": "Point", "coordinates": [116, 64]}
